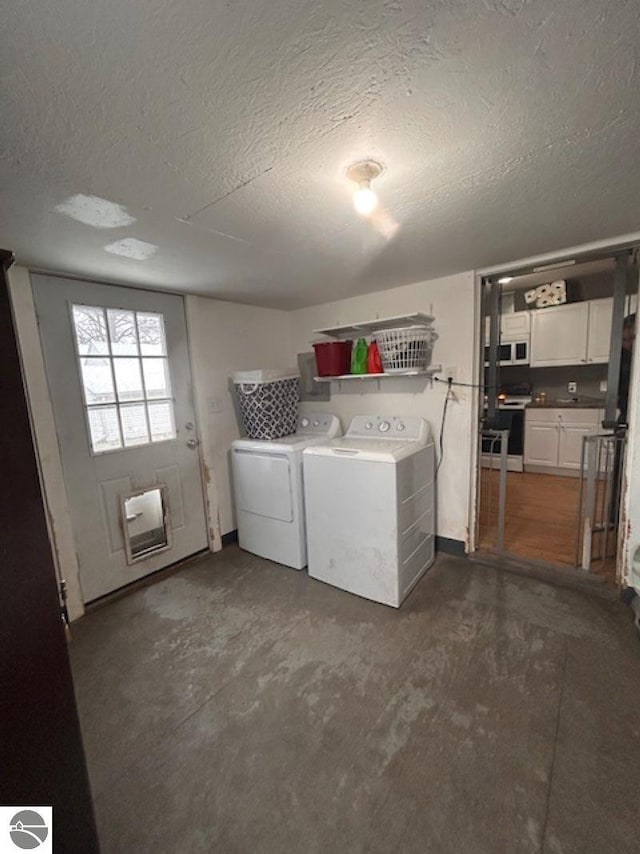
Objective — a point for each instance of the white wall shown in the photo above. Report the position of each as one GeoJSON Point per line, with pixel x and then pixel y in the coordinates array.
{"type": "Point", "coordinates": [227, 337]}
{"type": "Point", "coordinates": [453, 302]}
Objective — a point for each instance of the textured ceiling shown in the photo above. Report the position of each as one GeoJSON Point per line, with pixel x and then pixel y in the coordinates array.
{"type": "Point", "coordinates": [508, 128]}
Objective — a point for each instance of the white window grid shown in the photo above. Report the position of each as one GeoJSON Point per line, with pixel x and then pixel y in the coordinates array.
{"type": "Point", "coordinates": [117, 403]}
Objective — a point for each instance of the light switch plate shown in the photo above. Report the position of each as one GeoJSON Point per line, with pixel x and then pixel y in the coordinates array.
{"type": "Point", "coordinates": [214, 404]}
{"type": "Point", "coordinates": [572, 388]}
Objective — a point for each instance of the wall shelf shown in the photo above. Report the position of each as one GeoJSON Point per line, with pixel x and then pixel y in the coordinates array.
{"type": "Point", "coordinates": [429, 372]}
{"type": "Point", "coordinates": [368, 327]}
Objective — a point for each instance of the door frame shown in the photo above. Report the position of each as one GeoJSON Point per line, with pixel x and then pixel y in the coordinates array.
{"type": "Point", "coordinates": [582, 253]}
{"type": "Point", "coordinates": [46, 440]}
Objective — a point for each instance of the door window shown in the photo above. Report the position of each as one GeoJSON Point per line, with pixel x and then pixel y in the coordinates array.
{"type": "Point", "coordinates": [124, 369]}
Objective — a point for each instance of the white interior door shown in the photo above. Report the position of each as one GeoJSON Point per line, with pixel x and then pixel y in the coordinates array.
{"type": "Point", "coordinates": [117, 364]}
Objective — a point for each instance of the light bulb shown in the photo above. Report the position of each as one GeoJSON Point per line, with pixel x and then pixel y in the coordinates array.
{"type": "Point", "coordinates": [364, 199]}
{"type": "Point", "coordinates": [505, 280]}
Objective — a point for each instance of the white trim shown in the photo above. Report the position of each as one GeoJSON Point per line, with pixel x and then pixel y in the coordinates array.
{"type": "Point", "coordinates": [45, 438]}
{"type": "Point", "coordinates": [627, 535]}
{"type": "Point", "coordinates": [474, 443]}
{"type": "Point", "coordinates": [205, 434]}
{"type": "Point", "coordinates": [623, 241]}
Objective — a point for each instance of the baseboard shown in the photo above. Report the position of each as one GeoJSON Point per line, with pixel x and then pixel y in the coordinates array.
{"type": "Point", "coordinates": [230, 538]}
{"type": "Point", "coordinates": [450, 547]}
{"type": "Point", "coordinates": [443, 544]}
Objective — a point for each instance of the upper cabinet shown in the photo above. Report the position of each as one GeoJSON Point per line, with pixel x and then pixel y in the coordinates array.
{"type": "Point", "coordinates": [599, 336]}
{"type": "Point", "coordinates": [514, 326]}
{"type": "Point", "coordinates": [559, 335]}
{"type": "Point", "coordinates": [574, 334]}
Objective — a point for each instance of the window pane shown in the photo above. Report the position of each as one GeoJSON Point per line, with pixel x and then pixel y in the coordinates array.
{"type": "Point", "coordinates": [91, 330]}
{"type": "Point", "coordinates": [151, 331]}
{"type": "Point", "coordinates": [97, 380]}
{"type": "Point", "coordinates": [122, 332]}
{"type": "Point", "coordinates": [156, 378]}
{"type": "Point", "coordinates": [161, 421]}
{"type": "Point", "coordinates": [128, 379]}
{"type": "Point", "coordinates": [134, 425]}
{"type": "Point", "coordinates": [104, 427]}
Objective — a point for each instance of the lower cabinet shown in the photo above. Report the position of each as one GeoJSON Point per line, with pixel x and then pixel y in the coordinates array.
{"type": "Point", "coordinates": [553, 437]}
{"type": "Point", "coordinates": [541, 443]}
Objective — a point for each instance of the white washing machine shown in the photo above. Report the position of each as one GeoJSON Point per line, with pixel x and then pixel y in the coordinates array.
{"type": "Point", "coordinates": [370, 506]}
{"type": "Point", "coordinates": [269, 498]}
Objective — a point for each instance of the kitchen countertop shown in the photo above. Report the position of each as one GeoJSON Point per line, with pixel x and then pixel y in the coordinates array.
{"type": "Point", "coordinates": [581, 403]}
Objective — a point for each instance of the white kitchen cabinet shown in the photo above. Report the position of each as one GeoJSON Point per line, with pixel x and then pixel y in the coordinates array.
{"type": "Point", "coordinates": [570, 443]}
{"type": "Point", "coordinates": [559, 335]}
{"type": "Point", "coordinates": [599, 336]}
{"type": "Point", "coordinates": [553, 437]}
{"type": "Point", "coordinates": [515, 326]}
{"type": "Point", "coordinates": [541, 443]}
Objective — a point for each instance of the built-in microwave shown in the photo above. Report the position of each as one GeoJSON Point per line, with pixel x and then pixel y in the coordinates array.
{"type": "Point", "coordinates": [510, 353]}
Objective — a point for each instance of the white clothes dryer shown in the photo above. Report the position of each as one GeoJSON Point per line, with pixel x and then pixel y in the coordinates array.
{"type": "Point", "coordinates": [269, 497]}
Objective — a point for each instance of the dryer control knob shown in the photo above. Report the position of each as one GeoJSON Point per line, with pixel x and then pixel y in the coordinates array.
{"type": "Point", "coordinates": [368, 425]}
{"type": "Point", "coordinates": [384, 426]}
{"type": "Point", "coordinates": [304, 422]}
{"type": "Point", "coordinates": [400, 427]}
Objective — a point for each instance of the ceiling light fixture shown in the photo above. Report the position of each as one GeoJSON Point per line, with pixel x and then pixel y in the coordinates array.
{"type": "Point", "coordinates": [505, 280]}
{"type": "Point", "coordinates": [362, 174]}
{"type": "Point", "coordinates": [557, 265]}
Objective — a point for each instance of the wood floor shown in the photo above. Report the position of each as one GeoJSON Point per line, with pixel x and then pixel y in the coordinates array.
{"type": "Point", "coordinates": [541, 519]}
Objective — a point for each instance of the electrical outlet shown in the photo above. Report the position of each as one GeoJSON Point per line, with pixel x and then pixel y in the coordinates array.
{"type": "Point", "coordinates": [572, 388]}
{"type": "Point", "coordinates": [603, 385]}
{"type": "Point", "coordinates": [451, 372]}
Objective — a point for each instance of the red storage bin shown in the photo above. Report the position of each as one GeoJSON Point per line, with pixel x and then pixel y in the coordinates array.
{"type": "Point", "coordinates": [333, 358]}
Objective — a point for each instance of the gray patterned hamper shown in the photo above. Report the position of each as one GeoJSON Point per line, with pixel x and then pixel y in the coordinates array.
{"type": "Point", "coordinates": [268, 402]}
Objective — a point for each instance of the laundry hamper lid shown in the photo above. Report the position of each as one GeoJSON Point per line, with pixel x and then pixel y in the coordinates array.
{"type": "Point", "coordinates": [264, 375]}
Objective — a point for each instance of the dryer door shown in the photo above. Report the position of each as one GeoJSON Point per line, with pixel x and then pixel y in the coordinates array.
{"type": "Point", "coordinates": [263, 484]}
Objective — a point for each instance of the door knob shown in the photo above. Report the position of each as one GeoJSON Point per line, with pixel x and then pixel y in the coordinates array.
{"type": "Point", "coordinates": [192, 443]}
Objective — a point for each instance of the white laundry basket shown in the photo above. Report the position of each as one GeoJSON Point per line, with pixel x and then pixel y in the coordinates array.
{"type": "Point", "coordinates": [406, 348]}
{"type": "Point", "coordinates": [268, 402]}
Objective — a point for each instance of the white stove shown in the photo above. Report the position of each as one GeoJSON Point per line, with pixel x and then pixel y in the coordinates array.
{"type": "Point", "coordinates": [510, 417]}
{"type": "Point", "coordinates": [514, 401]}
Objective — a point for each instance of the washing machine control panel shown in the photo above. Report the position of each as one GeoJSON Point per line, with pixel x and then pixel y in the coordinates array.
{"type": "Point", "coordinates": [319, 423]}
{"type": "Point", "coordinates": [409, 428]}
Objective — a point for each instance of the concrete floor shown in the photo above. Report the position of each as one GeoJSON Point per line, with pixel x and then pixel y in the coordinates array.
{"type": "Point", "coordinates": [238, 706]}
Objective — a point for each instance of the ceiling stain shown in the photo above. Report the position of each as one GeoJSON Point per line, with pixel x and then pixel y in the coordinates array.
{"type": "Point", "coordinates": [519, 137]}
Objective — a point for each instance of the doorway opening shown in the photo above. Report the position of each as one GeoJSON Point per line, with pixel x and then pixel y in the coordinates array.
{"type": "Point", "coordinates": [557, 350]}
